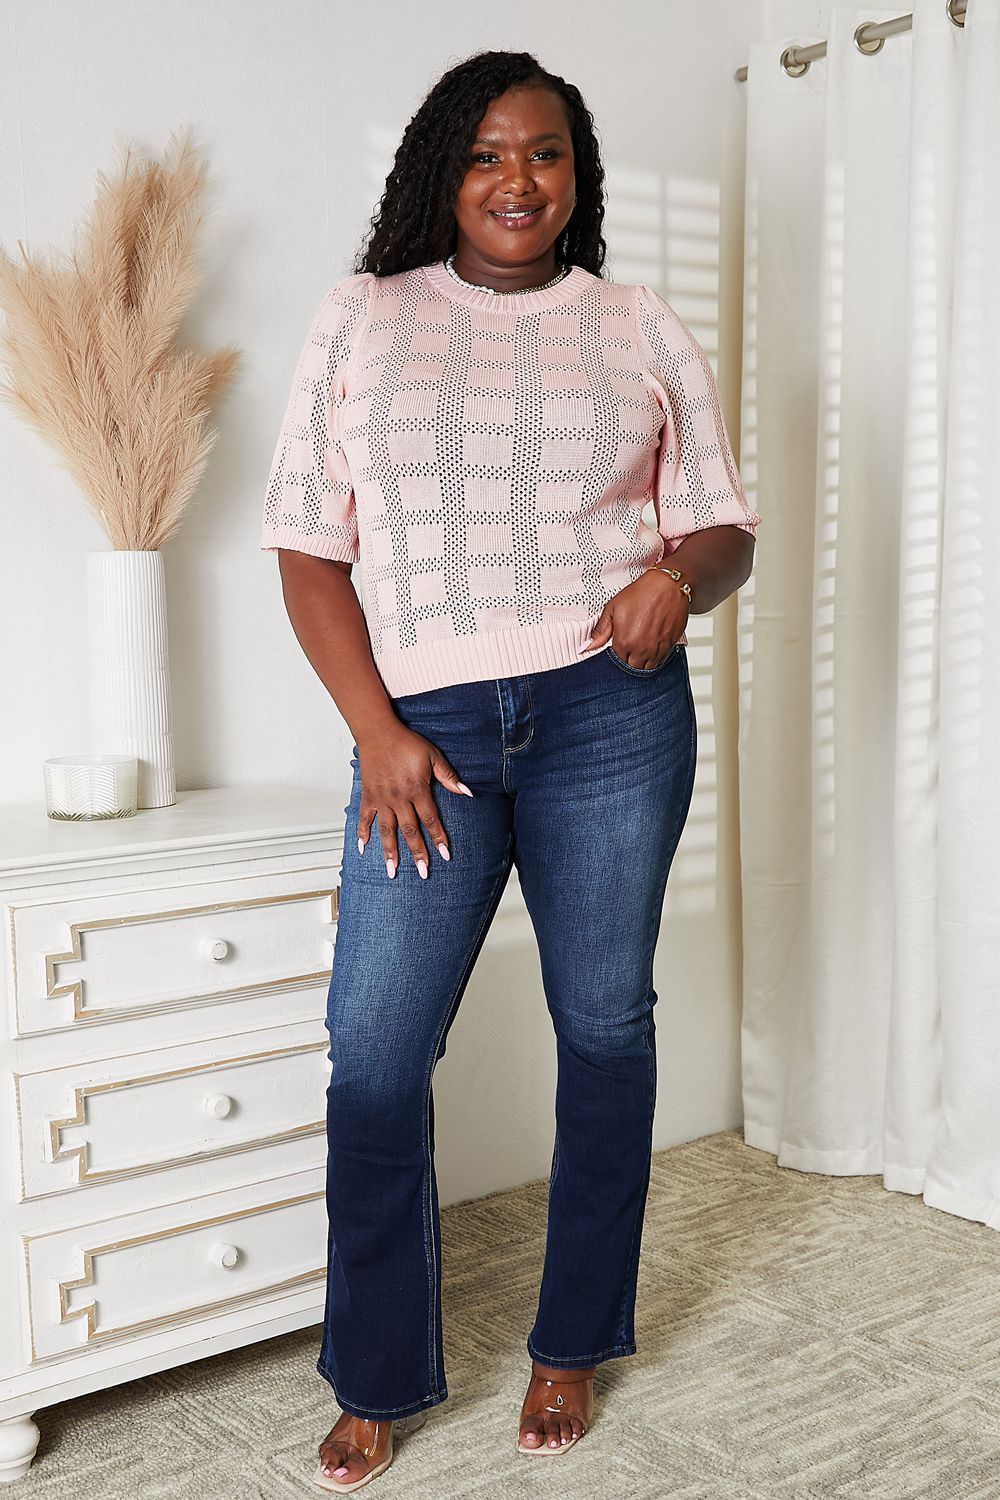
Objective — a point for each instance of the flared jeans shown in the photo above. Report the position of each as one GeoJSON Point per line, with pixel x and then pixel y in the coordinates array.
{"type": "Point", "coordinates": [582, 778]}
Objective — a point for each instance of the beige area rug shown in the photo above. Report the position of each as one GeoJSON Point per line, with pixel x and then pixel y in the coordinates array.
{"type": "Point", "coordinates": [799, 1336]}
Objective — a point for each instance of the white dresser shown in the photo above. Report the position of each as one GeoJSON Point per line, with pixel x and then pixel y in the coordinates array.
{"type": "Point", "coordinates": [164, 1070]}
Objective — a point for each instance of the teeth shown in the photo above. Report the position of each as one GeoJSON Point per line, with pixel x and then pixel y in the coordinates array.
{"type": "Point", "coordinates": [517, 213]}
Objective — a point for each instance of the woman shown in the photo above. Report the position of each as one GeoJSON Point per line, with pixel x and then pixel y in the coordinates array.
{"type": "Point", "coordinates": [479, 417]}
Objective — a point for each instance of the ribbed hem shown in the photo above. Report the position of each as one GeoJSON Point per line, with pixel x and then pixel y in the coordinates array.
{"type": "Point", "coordinates": [555, 642]}
{"type": "Point", "coordinates": [316, 545]}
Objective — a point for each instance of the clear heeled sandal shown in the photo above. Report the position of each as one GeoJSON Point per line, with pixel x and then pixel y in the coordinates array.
{"type": "Point", "coordinates": [569, 1397]}
{"type": "Point", "coordinates": [367, 1435]}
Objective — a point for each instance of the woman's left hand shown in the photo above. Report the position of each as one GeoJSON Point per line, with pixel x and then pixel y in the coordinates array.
{"type": "Point", "coordinates": [643, 621]}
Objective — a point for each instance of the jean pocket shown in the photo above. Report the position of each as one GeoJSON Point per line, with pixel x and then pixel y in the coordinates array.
{"type": "Point", "coordinates": [642, 671]}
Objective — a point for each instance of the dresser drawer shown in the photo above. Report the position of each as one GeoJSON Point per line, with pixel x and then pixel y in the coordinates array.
{"type": "Point", "coordinates": [95, 1122]}
{"type": "Point", "coordinates": [81, 960]}
{"type": "Point", "coordinates": [122, 1278]}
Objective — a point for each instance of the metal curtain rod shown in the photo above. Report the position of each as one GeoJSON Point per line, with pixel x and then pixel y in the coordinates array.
{"type": "Point", "coordinates": [869, 37]}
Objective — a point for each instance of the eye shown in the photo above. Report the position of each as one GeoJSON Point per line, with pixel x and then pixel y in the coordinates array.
{"type": "Point", "coordinates": [545, 151]}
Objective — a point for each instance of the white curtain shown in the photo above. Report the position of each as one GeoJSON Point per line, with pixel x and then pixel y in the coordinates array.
{"type": "Point", "coordinates": [870, 629]}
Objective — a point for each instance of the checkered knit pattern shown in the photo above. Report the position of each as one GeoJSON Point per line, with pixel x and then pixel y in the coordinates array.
{"type": "Point", "coordinates": [487, 461]}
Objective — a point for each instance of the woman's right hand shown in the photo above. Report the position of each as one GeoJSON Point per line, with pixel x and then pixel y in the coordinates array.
{"type": "Point", "coordinates": [396, 774]}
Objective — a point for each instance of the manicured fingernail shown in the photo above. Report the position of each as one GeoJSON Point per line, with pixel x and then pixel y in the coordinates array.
{"type": "Point", "coordinates": [443, 850]}
{"type": "Point", "coordinates": [583, 648]}
{"type": "Point", "coordinates": [463, 788]}
{"type": "Point", "coordinates": [390, 866]}
{"type": "Point", "coordinates": [422, 868]}
{"type": "Point", "coordinates": [361, 847]}
{"type": "Point", "coordinates": [341, 1470]}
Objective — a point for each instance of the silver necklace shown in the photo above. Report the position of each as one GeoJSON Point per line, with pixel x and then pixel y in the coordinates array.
{"type": "Point", "coordinates": [502, 292]}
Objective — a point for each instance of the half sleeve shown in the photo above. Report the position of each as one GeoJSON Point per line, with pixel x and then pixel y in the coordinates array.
{"type": "Point", "coordinates": [309, 503]}
{"type": "Point", "coordinates": [697, 483]}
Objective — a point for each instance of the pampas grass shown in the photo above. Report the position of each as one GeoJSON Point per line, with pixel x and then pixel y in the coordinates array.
{"type": "Point", "coordinates": [89, 349]}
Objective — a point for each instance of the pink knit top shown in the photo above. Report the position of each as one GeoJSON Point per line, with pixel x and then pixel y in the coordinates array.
{"type": "Point", "coordinates": [488, 459]}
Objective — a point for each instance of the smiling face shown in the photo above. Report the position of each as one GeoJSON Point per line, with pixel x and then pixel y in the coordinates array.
{"type": "Point", "coordinates": [521, 159]}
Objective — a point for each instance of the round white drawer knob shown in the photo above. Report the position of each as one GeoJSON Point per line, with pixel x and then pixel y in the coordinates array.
{"type": "Point", "coordinates": [216, 948]}
{"type": "Point", "coordinates": [226, 1256]}
{"type": "Point", "coordinates": [218, 1105]}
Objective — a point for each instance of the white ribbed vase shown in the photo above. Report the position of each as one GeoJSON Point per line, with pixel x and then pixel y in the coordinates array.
{"type": "Point", "coordinates": [129, 670]}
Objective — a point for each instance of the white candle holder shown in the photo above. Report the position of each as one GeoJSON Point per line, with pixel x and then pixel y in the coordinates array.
{"type": "Point", "coordinates": [82, 788]}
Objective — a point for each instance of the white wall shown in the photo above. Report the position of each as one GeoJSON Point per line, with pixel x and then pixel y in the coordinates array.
{"type": "Point", "coordinates": [813, 15]}
{"type": "Point", "coordinates": [790, 19]}
{"type": "Point", "coordinates": [299, 105]}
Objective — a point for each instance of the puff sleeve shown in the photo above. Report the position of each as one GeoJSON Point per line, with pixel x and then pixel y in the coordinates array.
{"type": "Point", "coordinates": [309, 503]}
{"type": "Point", "coordinates": [696, 483]}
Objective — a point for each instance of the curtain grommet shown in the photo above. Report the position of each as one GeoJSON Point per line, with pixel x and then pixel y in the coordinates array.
{"type": "Point", "coordinates": [868, 45]}
{"type": "Point", "coordinates": [791, 64]}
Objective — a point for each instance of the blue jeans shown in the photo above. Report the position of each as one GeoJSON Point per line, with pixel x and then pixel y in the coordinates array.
{"type": "Point", "coordinates": [582, 778]}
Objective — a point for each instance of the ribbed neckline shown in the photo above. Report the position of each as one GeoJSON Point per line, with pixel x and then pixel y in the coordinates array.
{"type": "Point", "coordinates": [529, 300]}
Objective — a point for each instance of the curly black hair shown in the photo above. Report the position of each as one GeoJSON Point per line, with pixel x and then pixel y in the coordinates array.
{"type": "Point", "coordinates": [415, 224]}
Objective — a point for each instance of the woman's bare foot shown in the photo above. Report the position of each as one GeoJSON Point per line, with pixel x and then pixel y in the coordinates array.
{"type": "Point", "coordinates": [354, 1444]}
{"type": "Point", "coordinates": [554, 1415]}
